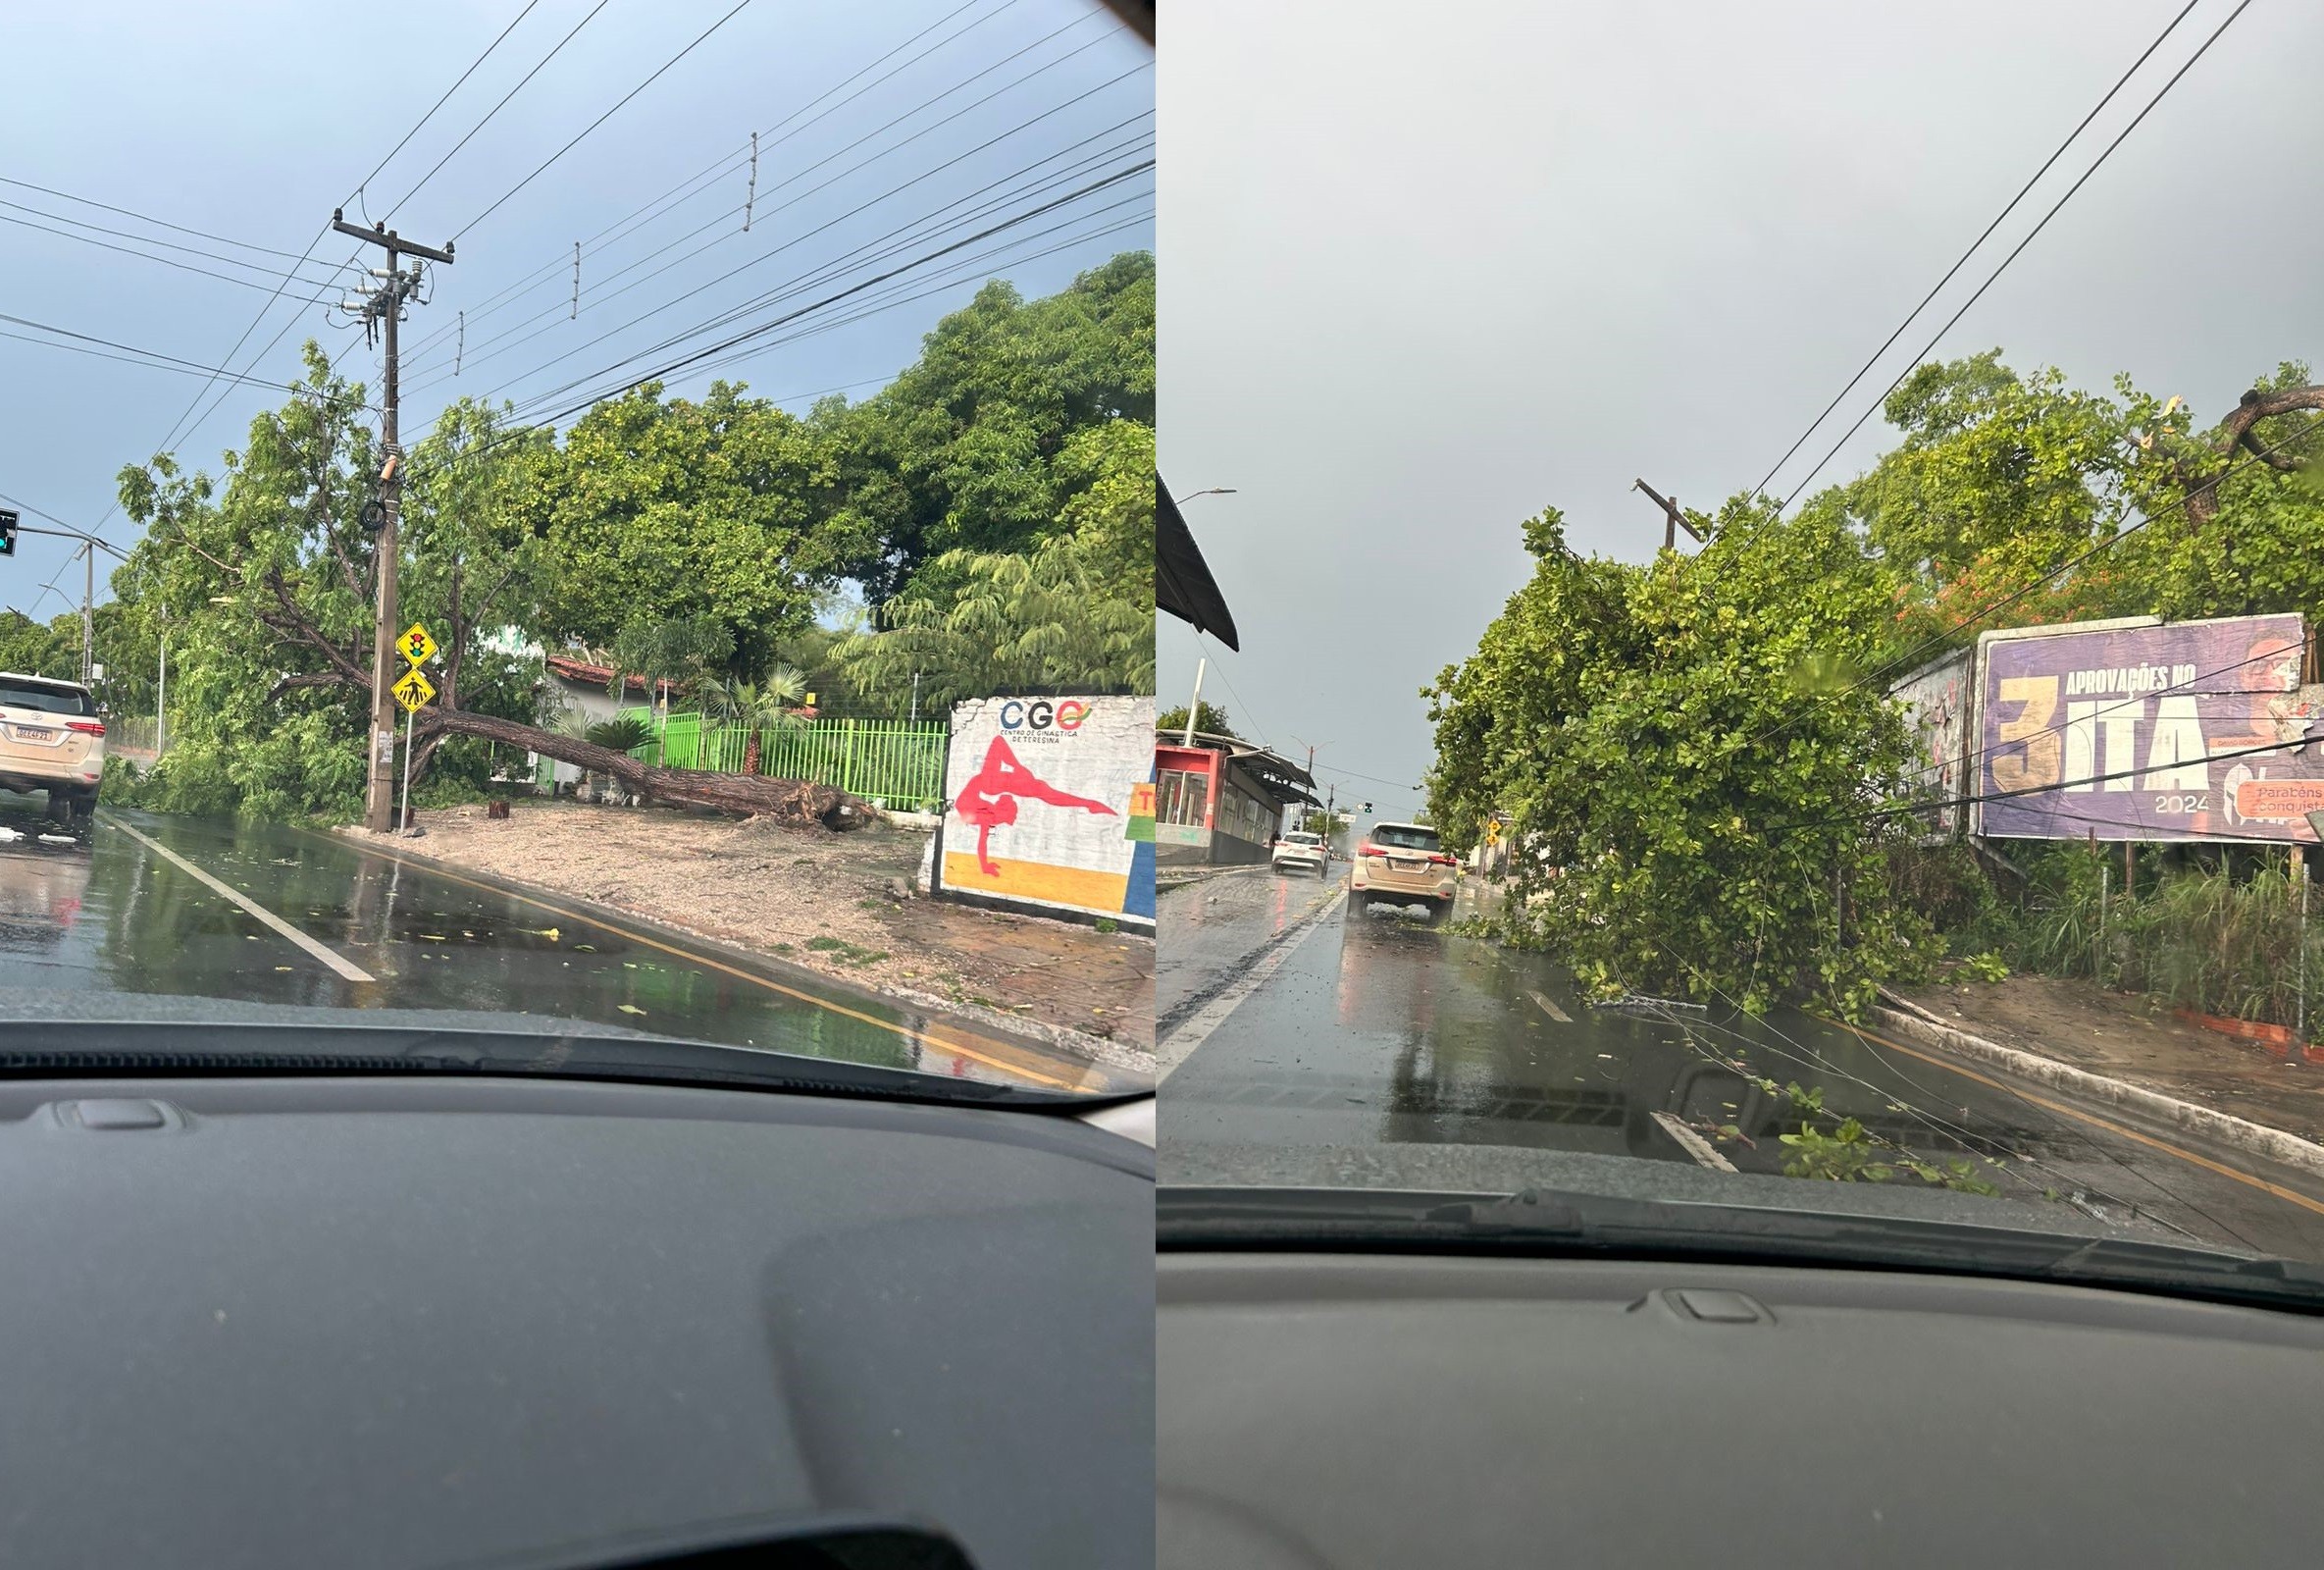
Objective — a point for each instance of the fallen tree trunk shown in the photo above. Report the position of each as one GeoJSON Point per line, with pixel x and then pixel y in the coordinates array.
{"type": "Point", "coordinates": [790, 801]}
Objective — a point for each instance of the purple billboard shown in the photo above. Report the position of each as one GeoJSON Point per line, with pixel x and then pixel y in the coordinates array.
{"type": "Point", "coordinates": [2192, 731]}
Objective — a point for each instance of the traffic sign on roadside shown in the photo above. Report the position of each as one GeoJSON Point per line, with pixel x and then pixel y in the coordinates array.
{"type": "Point", "coordinates": [413, 692]}
{"type": "Point", "coordinates": [417, 647]}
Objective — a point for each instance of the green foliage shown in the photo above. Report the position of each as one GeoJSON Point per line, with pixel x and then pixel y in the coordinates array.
{"type": "Point", "coordinates": [1049, 620]}
{"type": "Point", "coordinates": [1848, 1152]}
{"type": "Point", "coordinates": [1209, 718]}
{"type": "Point", "coordinates": [619, 735]}
{"type": "Point", "coordinates": [685, 651]}
{"type": "Point", "coordinates": [1700, 745]}
{"type": "Point", "coordinates": [1669, 736]}
{"type": "Point", "coordinates": [701, 539]}
{"type": "Point", "coordinates": [1986, 966]}
{"type": "Point", "coordinates": [981, 445]}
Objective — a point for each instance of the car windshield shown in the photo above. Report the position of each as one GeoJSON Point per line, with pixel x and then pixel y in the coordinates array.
{"type": "Point", "coordinates": [651, 528]}
{"type": "Point", "coordinates": [1787, 754]}
{"type": "Point", "coordinates": [1404, 837]}
{"type": "Point", "coordinates": [48, 699]}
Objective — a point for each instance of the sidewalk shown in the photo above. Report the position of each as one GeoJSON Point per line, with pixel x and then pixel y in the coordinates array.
{"type": "Point", "coordinates": [837, 904]}
{"type": "Point", "coordinates": [2115, 1035]}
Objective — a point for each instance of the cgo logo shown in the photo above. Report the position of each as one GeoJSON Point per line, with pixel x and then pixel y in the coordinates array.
{"type": "Point", "coordinates": [1041, 714]}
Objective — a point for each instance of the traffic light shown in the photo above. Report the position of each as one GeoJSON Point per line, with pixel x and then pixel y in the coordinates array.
{"type": "Point", "coordinates": [7, 532]}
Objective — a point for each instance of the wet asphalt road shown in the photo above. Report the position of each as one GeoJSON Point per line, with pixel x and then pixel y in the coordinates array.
{"type": "Point", "coordinates": [1379, 1032]}
{"type": "Point", "coordinates": [102, 912]}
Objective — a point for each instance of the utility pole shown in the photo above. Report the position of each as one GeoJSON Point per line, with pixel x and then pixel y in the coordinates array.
{"type": "Point", "coordinates": [89, 609]}
{"type": "Point", "coordinates": [1194, 704]}
{"type": "Point", "coordinates": [385, 305]}
{"type": "Point", "coordinates": [1674, 520]}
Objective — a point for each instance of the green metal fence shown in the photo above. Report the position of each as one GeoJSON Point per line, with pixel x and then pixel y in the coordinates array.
{"type": "Point", "coordinates": [895, 762]}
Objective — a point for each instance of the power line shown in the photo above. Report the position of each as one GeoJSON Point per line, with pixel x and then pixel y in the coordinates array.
{"type": "Point", "coordinates": [422, 122]}
{"type": "Point", "coordinates": [1910, 316]}
{"type": "Point", "coordinates": [769, 296]}
{"type": "Point", "coordinates": [1911, 656]}
{"type": "Point", "coordinates": [496, 108]}
{"type": "Point", "coordinates": [255, 321]}
{"type": "Point", "coordinates": [1878, 812]}
{"type": "Point", "coordinates": [600, 120]}
{"type": "Point", "coordinates": [186, 267]}
{"type": "Point", "coordinates": [145, 355]}
{"type": "Point", "coordinates": [2018, 249]}
{"type": "Point", "coordinates": [732, 160]}
{"type": "Point", "coordinates": [813, 189]}
{"type": "Point", "coordinates": [860, 207]}
{"type": "Point", "coordinates": [131, 212]}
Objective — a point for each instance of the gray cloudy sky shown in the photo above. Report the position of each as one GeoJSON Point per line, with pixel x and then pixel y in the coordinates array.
{"type": "Point", "coordinates": [1426, 268]}
{"type": "Point", "coordinates": [252, 119]}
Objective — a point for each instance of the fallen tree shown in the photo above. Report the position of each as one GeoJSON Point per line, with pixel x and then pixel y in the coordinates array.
{"type": "Point", "coordinates": [790, 801]}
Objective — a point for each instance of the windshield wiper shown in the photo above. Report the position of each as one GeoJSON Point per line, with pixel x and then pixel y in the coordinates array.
{"type": "Point", "coordinates": [46, 1048]}
{"type": "Point", "coordinates": [1557, 1222]}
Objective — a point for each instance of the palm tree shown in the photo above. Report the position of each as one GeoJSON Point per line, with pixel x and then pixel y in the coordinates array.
{"type": "Point", "coordinates": [758, 706]}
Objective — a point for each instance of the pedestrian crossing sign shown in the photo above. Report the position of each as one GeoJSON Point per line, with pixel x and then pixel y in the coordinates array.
{"type": "Point", "coordinates": [413, 692]}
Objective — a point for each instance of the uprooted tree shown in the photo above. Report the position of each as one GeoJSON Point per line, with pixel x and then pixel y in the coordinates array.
{"type": "Point", "coordinates": [792, 801]}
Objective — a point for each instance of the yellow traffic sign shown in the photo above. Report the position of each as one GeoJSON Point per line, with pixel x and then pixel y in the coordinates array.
{"type": "Point", "coordinates": [413, 692]}
{"type": "Point", "coordinates": [417, 647]}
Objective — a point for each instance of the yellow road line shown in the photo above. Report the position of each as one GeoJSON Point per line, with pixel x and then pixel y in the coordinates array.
{"type": "Point", "coordinates": [1020, 1068]}
{"type": "Point", "coordinates": [2060, 1108]}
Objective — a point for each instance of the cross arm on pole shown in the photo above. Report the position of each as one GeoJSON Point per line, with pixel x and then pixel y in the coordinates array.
{"type": "Point", "coordinates": [390, 238]}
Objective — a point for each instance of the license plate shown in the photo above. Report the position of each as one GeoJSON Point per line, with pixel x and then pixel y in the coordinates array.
{"type": "Point", "coordinates": [32, 733]}
{"type": "Point", "coordinates": [1403, 866]}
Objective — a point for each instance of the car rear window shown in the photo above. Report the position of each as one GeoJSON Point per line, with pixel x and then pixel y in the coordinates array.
{"type": "Point", "coordinates": [48, 699]}
{"type": "Point", "coordinates": [1301, 839]}
{"type": "Point", "coordinates": [1404, 837]}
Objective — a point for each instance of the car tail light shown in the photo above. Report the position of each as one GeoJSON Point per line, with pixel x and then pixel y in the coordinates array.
{"type": "Point", "coordinates": [1441, 859]}
{"type": "Point", "coordinates": [1368, 849]}
{"type": "Point", "coordinates": [87, 727]}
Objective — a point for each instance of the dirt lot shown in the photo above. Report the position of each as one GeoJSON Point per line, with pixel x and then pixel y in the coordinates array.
{"type": "Point", "coordinates": [2126, 1035]}
{"type": "Point", "coordinates": [834, 903]}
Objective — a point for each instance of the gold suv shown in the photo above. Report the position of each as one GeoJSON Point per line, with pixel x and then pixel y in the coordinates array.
{"type": "Point", "coordinates": [1402, 864]}
{"type": "Point", "coordinates": [51, 739]}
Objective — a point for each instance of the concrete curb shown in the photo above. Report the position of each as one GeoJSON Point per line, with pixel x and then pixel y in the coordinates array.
{"type": "Point", "coordinates": [1915, 1023]}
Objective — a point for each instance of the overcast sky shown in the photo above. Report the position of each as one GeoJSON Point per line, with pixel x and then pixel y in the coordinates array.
{"type": "Point", "coordinates": [252, 120]}
{"type": "Point", "coordinates": [1426, 270]}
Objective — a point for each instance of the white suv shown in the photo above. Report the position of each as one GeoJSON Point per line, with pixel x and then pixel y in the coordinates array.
{"type": "Point", "coordinates": [1300, 849]}
{"type": "Point", "coordinates": [1403, 864]}
{"type": "Point", "coordinates": [51, 739]}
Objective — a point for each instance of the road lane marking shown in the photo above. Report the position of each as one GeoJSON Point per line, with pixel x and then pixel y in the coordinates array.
{"type": "Point", "coordinates": [1549, 1007]}
{"type": "Point", "coordinates": [1174, 1049]}
{"type": "Point", "coordinates": [2288, 1196]}
{"type": "Point", "coordinates": [249, 906]}
{"type": "Point", "coordinates": [1019, 1069]}
{"type": "Point", "coordinates": [1702, 1150]}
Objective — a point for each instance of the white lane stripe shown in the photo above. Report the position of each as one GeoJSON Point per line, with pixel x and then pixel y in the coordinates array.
{"type": "Point", "coordinates": [1551, 1009]}
{"type": "Point", "coordinates": [1694, 1144]}
{"type": "Point", "coordinates": [243, 901]}
{"type": "Point", "coordinates": [1177, 1047]}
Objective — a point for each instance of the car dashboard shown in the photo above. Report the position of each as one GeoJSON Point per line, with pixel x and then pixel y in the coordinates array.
{"type": "Point", "coordinates": [414, 1321]}
{"type": "Point", "coordinates": [1346, 1411]}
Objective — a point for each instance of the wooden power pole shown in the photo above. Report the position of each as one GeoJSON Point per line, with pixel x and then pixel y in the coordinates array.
{"type": "Point", "coordinates": [385, 305]}
{"type": "Point", "coordinates": [1674, 520]}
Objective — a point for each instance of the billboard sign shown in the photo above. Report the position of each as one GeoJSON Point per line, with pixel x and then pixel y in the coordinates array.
{"type": "Point", "coordinates": [1049, 806]}
{"type": "Point", "coordinates": [2193, 730]}
{"type": "Point", "coordinates": [1936, 702]}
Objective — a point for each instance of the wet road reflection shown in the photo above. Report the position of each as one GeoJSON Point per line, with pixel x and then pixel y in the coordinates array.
{"type": "Point", "coordinates": [1379, 1032]}
{"type": "Point", "coordinates": [99, 913]}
